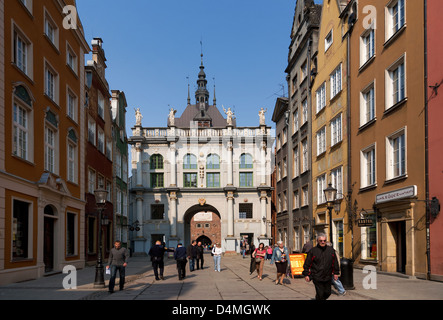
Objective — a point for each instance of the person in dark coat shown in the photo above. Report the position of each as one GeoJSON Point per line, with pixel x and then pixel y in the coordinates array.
{"type": "Point", "coordinates": [200, 258]}
{"type": "Point", "coordinates": [118, 260]}
{"type": "Point", "coordinates": [253, 264]}
{"type": "Point", "coordinates": [192, 254]}
{"type": "Point", "coordinates": [180, 258]}
{"type": "Point", "coordinates": [157, 253]}
{"type": "Point", "coordinates": [307, 247]}
{"type": "Point", "coordinates": [321, 266]}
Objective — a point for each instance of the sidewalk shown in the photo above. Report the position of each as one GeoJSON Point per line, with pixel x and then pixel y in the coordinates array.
{"type": "Point", "coordinates": [234, 282]}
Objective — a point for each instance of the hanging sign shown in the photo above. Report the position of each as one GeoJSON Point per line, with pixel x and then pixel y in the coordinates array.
{"type": "Point", "coordinates": [297, 261]}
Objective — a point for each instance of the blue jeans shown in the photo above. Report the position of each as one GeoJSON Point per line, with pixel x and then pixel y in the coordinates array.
{"type": "Point", "coordinates": [338, 285]}
{"type": "Point", "coordinates": [121, 271]}
{"type": "Point", "coordinates": [191, 264]}
{"type": "Point", "coordinates": [217, 260]}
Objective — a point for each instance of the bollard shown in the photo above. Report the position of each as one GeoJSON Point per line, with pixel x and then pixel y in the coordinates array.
{"type": "Point", "coordinates": [347, 274]}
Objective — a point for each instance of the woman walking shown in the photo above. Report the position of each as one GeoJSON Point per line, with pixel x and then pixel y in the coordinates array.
{"type": "Point", "coordinates": [280, 256]}
{"type": "Point", "coordinates": [216, 251]}
{"type": "Point", "coordinates": [259, 255]}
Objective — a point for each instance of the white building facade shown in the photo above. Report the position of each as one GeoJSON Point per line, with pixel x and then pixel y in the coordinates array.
{"type": "Point", "coordinates": [201, 163]}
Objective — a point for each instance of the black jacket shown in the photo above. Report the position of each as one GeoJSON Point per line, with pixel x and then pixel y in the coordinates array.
{"type": "Point", "coordinates": [180, 253]}
{"type": "Point", "coordinates": [321, 264]}
{"type": "Point", "coordinates": [192, 251]}
{"type": "Point", "coordinates": [157, 252]}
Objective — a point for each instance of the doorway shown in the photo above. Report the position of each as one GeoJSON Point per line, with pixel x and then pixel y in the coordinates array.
{"type": "Point", "coordinates": [48, 251]}
{"type": "Point", "coordinates": [398, 230]}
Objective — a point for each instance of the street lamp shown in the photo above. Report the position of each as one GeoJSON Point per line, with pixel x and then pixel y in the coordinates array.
{"type": "Point", "coordinates": [330, 195]}
{"type": "Point", "coordinates": [100, 200]}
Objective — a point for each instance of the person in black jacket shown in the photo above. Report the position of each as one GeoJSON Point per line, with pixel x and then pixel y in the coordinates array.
{"type": "Point", "coordinates": [180, 258]}
{"type": "Point", "coordinates": [157, 254]}
{"type": "Point", "coordinates": [321, 265]}
{"type": "Point", "coordinates": [192, 254]}
{"type": "Point", "coordinates": [200, 257]}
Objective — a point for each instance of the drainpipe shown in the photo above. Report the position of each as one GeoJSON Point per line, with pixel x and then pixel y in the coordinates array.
{"type": "Point", "coordinates": [428, 242]}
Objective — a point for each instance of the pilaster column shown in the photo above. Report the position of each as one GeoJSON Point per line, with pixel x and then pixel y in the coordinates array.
{"type": "Point", "coordinates": [230, 214]}
{"type": "Point", "coordinates": [138, 149]}
{"type": "Point", "coordinates": [263, 163]}
{"type": "Point", "coordinates": [230, 164]}
{"type": "Point", "coordinates": [263, 200]}
{"type": "Point", "coordinates": [139, 199]}
{"type": "Point", "coordinates": [173, 161]}
{"type": "Point", "coordinates": [173, 213]}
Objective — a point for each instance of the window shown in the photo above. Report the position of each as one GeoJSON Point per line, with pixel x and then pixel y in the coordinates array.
{"type": "Point", "coordinates": [109, 149]}
{"type": "Point", "coordinates": [338, 237]}
{"type": "Point", "coordinates": [296, 120]}
{"type": "Point", "coordinates": [329, 40]}
{"type": "Point", "coordinates": [71, 59]}
{"type": "Point", "coordinates": [304, 71]}
{"type": "Point", "coordinates": [71, 105]}
{"type": "Point", "coordinates": [396, 83]}
{"type": "Point", "coordinates": [109, 189]}
{"type": "Point", "coordinates": [297, 239]}
{"type": "Point", "coordinates": [396, 17]}
{"type": "Point", "coordinates": [101, 182]}
{"type": "Point", "coordinates": [157, 211]}
{"type": "Point", "coordinates": [305, 196]}
{"type": "Point", "coordinates": [101, 141]}
{"type": "Point", "coordinates": [369, 240]}
{"type": "Point", "coordinates": [20, 127]}
{"type": "Point", "coordinates": [118, 208]}
{"type": "Point", "coordinates": [245, 211]}
{"type": "Point", "coordinates": [190, 180]}
{"type": "Point", "coordinates": [305, 151]}
{"type": "Point", "coordinates": [367, 104]}
{"type": "Point", "coordinates": [213, 162]}
{"type": "Point", "coordinates": [336, 81]}
{"type": "Point", "coordinates": [246, 161]}
{"type": "Point", "coordinates": [368, 167]}
{"type": "Point", "coordinates": [101, 106]}
{"type": "Point", "coordinates": [125, 169]}
{"type": "Point", "coordinates": [157, 180]}
{"type": "Point", "coordinates": [49, 150]}
{"type": "Point", "coordinates": [294, 84]}
{"type": "Point", "coordinates": [21, 52]}
{"type": "Point", "coordinates": [321, 97]}
{"type": "Point", "coordinates": [20, 230]}
{"type": "Point", "coordinates": [336, 130]}
{"type": "Point", "coordinates": [27, 4]}
{"type": "Point", "coordinates": [70, 233]}
{"type": "Point", "coordinates": [51, 30]}
{"type": "Point", "coordinates": [367, 46]}
{"type": "Point", "coordinates": [91, 131]}
{"type": "Point", "coordinates": [321, 141]}
{"type": "Point", "coordinates": [212, 180]}
{"type": "Point", "coordinates": [71, 162]}
{"type": "Point", "coordinates": [91, 181]}
{"type": "Point", "coordinates": [296, 167]}
{"type": "Point", "coordinates": [396, 152]}
{"type": "Point", "coordinates": [279, 175]}
{"type": "Point", "coordinates": [321, 186]}
{"type": "Point", "coordinates": [296, 200]}
{"type": "Point", "coordinates": [285, 201]}
{"type": "Point", "coordinates": [190, 161]}
{"type": "Point", "coordinates": [118, 165]}
{"type": "Point", "coordinates": [337, 181]}
{"type": "Point", "coordinates": [50, 83]}
{"type": "Point", "coordinates": [246, 179]}
{"type": "Point", "coordinates": [285, 167]}
{"type": "Point", "coordinates": [156, 162]}
{"type": "Point", "coordinates": [305, 111]}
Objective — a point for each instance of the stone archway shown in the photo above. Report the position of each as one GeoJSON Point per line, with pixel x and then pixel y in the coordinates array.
{"type": "Point", "coordinates": [202, 222]}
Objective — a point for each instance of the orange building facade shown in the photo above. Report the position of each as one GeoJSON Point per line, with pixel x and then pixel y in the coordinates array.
{"type": "Point", "coordinates": [41, 138]}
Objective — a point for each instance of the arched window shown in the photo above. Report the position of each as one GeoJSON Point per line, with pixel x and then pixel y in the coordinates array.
{"type": "Point", "coordinates": [213, 161]}
{"type": "Point", "coordinates": [157, 161]}
{"type": "Point", "coordinates": [246, 161]}
{"type": "Point", "coordinates": [189, 161]}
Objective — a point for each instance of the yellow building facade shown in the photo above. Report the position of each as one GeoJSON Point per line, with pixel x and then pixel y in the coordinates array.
{"type": "Point", "coordinates": [41, 138]}
{"type": "Point", "coordinates": [330, 128]}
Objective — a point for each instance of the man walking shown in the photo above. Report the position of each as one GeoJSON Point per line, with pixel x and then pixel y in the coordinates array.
{"type": "Point", "coordinates": [118, 260]}
{"type": "Point", "coordinates": [192, 254]}
{"type": "Point", "coordinates": [157, 254]}
{"type": "Point", "coordinates": [321, 266]}
{"type": "Point", "coordinates": [200, 258]}
{"type": "Point", "coordinates": [180, 258]}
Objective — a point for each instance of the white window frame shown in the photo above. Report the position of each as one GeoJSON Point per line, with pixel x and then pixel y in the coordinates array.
{"type": "Point", "coordinates": [321, 97]}
{"type": "Point", "coordinates": [71, 104]}
{"type": "Point", "coordinates": [305, 164]}
{"type": "Point", "coordinates": [336, 81]}
{"type": "Point", "coordinates": [50, 29]}
{"type": "Point", "coordinates": [305, 196]}
{"type": "Point", "coordinates": [101, 105]}
{"type": "Point", "coordinates": [321, 141]}
{"type": "Point", "coordinates": [296, 199]}
{"type": "Point", "coordinates": [337, 130]}
{"type": "Point", "coordinates": [22, 57]}
{"type": "Point", "coordinates": [72, 162]}
{"type": "Point", "coordinates": [296, 120]}
{"type": "Point", "coordinates": [92, 180]}
{"type": "Point", "coordinates": [51, 85]}
{"type": "Point", "coordinates": [101, 141]}
{"type": "Point", "coordinates": [367, 46]}
{"type": "Point", "coordinates": [71, 59]}
{"type": "Point", "coordinates": [296, 162]}
{"type": "Point", "coordinates": [337, 181]}
{"type": "Point", "coordinates": [367, 104]}
{"type": "Point", "coordinates": [50, 149]}
{"type": "Point", "coordinates": [395, 22]}
{"type": "Point", "coordinates": [368, 166]}
{"type": "Point", "coordinates": [329, 40]}
{"type": "Point", "coordinates": [305, 111]}
{"type": "Point", "coordinates": [391, 161]}
{"type": "Point", "coordinates": [92, 129]}
{"type": "Point", "coordinates": [321, 186]}
{"type": "Point", "coordinates": [396, 83]}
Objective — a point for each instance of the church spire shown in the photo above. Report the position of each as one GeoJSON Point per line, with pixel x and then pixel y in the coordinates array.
{"type": "Point", "coordinates": [202, 93]}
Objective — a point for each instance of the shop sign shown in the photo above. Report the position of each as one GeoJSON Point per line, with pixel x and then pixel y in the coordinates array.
{"type": "Point", "coordinates": [365, 222]}
{"type": "Point", "coordinates": [396, 194]}
{"type": "Point", "coordinates": [297, 261]}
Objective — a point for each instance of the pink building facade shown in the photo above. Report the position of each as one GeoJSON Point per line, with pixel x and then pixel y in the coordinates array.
{"type": "Point", "coordinates": [435, 131]}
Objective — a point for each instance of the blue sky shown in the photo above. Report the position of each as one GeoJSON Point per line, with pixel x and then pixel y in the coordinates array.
{"type": "Point", "coordinates": [153, 46]}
